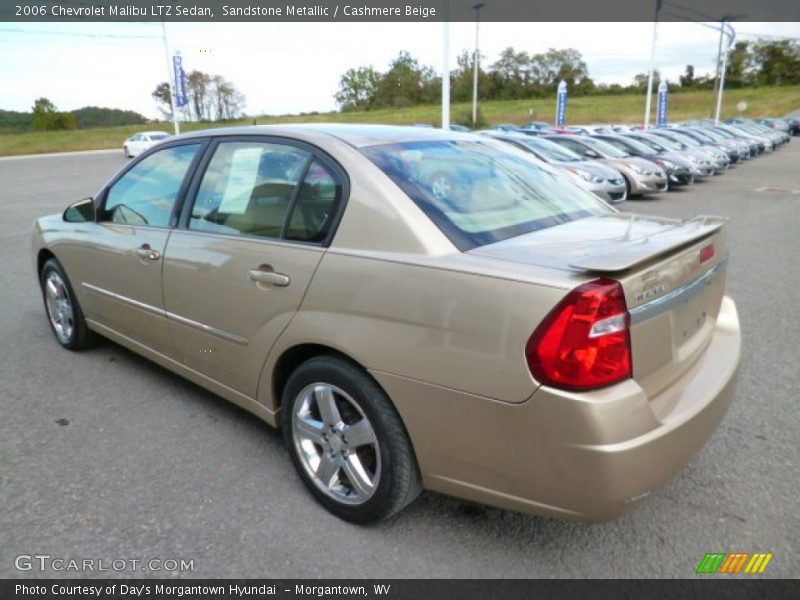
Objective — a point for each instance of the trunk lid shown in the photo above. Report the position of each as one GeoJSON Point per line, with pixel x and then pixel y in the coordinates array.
{"type": "Point", "coordinates": [673, 280]}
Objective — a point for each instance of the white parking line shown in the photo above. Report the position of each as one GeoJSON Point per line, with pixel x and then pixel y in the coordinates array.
{"type": "Point", "coordinates": [51, 154]}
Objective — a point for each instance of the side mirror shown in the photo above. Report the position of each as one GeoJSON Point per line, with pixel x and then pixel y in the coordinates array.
{"type": "Point", "coordinates": [82, 211]}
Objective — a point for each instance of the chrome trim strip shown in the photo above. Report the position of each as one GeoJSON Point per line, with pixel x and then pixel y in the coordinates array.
{"type": "Point", "coordinates": [231, 337]}
{"type": "Point", "coordinates": [676, 296]}
{"type": "Point", "coordinates": [124, 299]}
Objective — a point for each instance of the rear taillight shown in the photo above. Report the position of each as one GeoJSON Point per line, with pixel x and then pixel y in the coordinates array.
{"type": "Point", "coordinates": [584, 342]}
{"type": "Point", "coordinates": [707, 254]}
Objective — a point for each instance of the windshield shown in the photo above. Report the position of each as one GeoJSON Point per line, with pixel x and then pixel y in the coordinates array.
{"type": "Point", "coordinates": [659, 145]}
{"type": "Point", "coordinates": [605, 148]}
{"type": "Point", "coordinates": [683, 138]}
{"type": "Point", "coordinates": [711, 134]}
{"type": "Point", "coordinates": [627, 143]}
{"type": "Point", "coordinates": [478, 193]}
{"type": "Point", "coordinates": [550, 150]}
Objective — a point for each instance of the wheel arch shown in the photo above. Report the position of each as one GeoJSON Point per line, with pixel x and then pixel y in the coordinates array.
{"type": "Point", "coordinates": [293, 357]}
{"type": "Point", "coordinates": [41, 258]}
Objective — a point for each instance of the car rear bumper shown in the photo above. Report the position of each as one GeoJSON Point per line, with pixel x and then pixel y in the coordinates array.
{"type": "Point", "coordinates": [590, 456]}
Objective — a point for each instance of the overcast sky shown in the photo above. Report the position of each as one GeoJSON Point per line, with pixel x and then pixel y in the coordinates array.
{"type": "Point", "coordinates": [295, 67]}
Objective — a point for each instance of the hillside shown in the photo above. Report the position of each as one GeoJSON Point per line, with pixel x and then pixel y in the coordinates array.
{"type": "Point", "coordinates": [764, 101]}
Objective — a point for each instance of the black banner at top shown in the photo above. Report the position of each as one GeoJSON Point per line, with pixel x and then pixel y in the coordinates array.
{"type": "Point", "coordinates": [397, 10]}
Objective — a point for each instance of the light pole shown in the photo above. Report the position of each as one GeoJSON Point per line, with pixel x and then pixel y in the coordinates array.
{"type": "Point", "coordinates": [477, 8]}
{"type": "Point", "coordinates": [731, 36]}
{"type": "Point", "coordinates": [652, 67]}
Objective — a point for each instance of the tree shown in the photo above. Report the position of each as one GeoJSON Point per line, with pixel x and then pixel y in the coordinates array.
{"type": "Point", "coordinates": [511, 74]}
{"type": "Point", "coordinates": [406, 83]}
{"type": "Point", "coordinates": [777, 61]}
{"type": "Point", "coordinates": [640, 80]}
{"type": "Point", "coordinates": [358, 88]}
{"type": "Point", "coordinates": [47, 118]}
{"type": "Point", "coordinates": [687, 80]}
{"type": "Point", "coordinates": [739, 70]}
{"type": "Point", "coordinates": [197, 84]}
{"type": "Point", "coordinates": [210, 97]}
{"type": "Point", "coordinates": [163, 97]}
{"type": "Point", "coordinates": [462, 78]}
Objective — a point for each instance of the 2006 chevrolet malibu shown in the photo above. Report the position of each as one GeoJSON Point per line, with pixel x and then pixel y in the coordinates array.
{"type": "Point", "coordinates": [415, 308]}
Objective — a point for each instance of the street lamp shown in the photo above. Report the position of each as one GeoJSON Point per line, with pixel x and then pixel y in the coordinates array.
{"type": "Point", "coordinates": [731, 36]}
{"type": "Point", "coordinates": [477, 8]}
{"type": "Point", "coordinates": [652, 67]}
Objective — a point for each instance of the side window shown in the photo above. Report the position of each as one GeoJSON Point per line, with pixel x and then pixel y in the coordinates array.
{"type": "Point", "coordinates": [316, 206]}
{"type": "Point", "coordinates": [146, 194]}
{"type": "Point", "coordinates": [247, 188]}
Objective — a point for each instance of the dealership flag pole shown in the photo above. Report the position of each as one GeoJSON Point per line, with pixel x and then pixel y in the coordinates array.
{"type": "Point", "coordinates": [561, 104]}
{"type": "Point", "coordinates": [652, 68]}
{"type": "Point", "coordinates": [170, 79]}
{"type": "Point", "coordinates": [663, 100]}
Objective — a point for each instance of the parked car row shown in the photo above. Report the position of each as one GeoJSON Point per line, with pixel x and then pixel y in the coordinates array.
{"type": "Point", "coordinates": [625, 161]}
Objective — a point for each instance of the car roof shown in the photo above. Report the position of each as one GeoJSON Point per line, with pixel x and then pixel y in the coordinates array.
{"type": "Point", "coordinates": [358, 136]}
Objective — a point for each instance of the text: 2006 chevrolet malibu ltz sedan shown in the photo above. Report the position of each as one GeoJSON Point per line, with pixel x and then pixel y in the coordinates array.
{"type": "Point", "coordinates": [514, 341]}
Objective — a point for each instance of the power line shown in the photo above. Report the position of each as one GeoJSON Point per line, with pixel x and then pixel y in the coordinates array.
{"type": "Point", "coordinates": [73, 34]}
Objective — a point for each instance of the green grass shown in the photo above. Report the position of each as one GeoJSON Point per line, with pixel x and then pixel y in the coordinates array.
{"type": "Point", "coordinates": [762, 102]}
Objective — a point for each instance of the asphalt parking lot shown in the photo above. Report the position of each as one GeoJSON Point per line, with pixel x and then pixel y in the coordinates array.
{"type": "Point", "coordinates": [105, 455]}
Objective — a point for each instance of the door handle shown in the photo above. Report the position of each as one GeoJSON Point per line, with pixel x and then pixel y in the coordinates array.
{"type": "Point", "coordinates": [146, 252]}
{"type": "Point", "coordinates": [266, 274]}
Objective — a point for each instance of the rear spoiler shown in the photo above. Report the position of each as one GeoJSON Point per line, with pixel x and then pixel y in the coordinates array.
{"type": "Point", "coordinates": [634, 251]}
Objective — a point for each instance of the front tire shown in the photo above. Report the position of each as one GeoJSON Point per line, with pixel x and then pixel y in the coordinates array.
{"type": "Point", "coordinates": [347, 441]}
{"type": "Point", "coordinates": [62, 308]}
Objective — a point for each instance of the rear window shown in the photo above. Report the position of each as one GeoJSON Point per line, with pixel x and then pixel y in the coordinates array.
{"type": "Point", "coordinates": [479, 193]}
{"type": "Point", "coordinates": [158, 136]}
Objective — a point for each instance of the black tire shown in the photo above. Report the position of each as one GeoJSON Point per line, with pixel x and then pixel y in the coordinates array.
{"type": "Point", "coordinates": [398, 478]}
{"type": "Point", "coordinates": [628, 194]}
{"type": "Point", "coordinates": [80, 336]}
{"type": "Point", "coordinates": [127, 153]}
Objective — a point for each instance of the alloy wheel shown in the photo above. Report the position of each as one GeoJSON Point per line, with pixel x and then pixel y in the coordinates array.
{"type": "Point", "coordinates": [336, 443]}
{"type": "Point", "coordinates": [59, 307]}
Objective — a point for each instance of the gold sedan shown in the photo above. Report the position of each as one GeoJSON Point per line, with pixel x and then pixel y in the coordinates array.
{"type": "Point", "coordinates": [415, 308]}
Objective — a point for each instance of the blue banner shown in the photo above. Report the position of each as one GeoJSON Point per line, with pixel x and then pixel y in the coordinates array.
{"type": "Point", "coordinates": [561, 106]}
{"type": "Point", "coordinates": [663, 103]}
{"type": "Point", "coordinates": [181, 99]}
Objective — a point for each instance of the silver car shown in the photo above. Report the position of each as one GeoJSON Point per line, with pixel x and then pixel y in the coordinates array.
{"type": "Point", "coordinates": [604, 181]}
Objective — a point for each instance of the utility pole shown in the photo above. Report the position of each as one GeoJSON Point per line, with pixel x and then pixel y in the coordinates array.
{"type": "Point", "coordinates": [477, 8]}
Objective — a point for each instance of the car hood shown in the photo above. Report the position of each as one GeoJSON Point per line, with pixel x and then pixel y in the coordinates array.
{"type": "Point", "coordinates": [644, 164]}
{"type": "Point", "coordinates": [608, 243]}
{"type": "Point", "coordinates": [594, 168]}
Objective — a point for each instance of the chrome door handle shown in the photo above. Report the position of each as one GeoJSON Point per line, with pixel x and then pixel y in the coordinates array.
{"type": "Point", "coordinates": [146, 252]}
{"type": "Point", "coordinates": [265, 274]}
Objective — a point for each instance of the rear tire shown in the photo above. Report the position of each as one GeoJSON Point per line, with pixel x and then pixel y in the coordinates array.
{"type": "Point", "coordinates": [62, 308]}
{"type": "Point", "coordinates": [347, 441]}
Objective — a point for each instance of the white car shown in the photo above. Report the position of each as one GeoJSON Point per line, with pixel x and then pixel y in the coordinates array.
{"type": "Point", "coordinates": [138, 143]}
